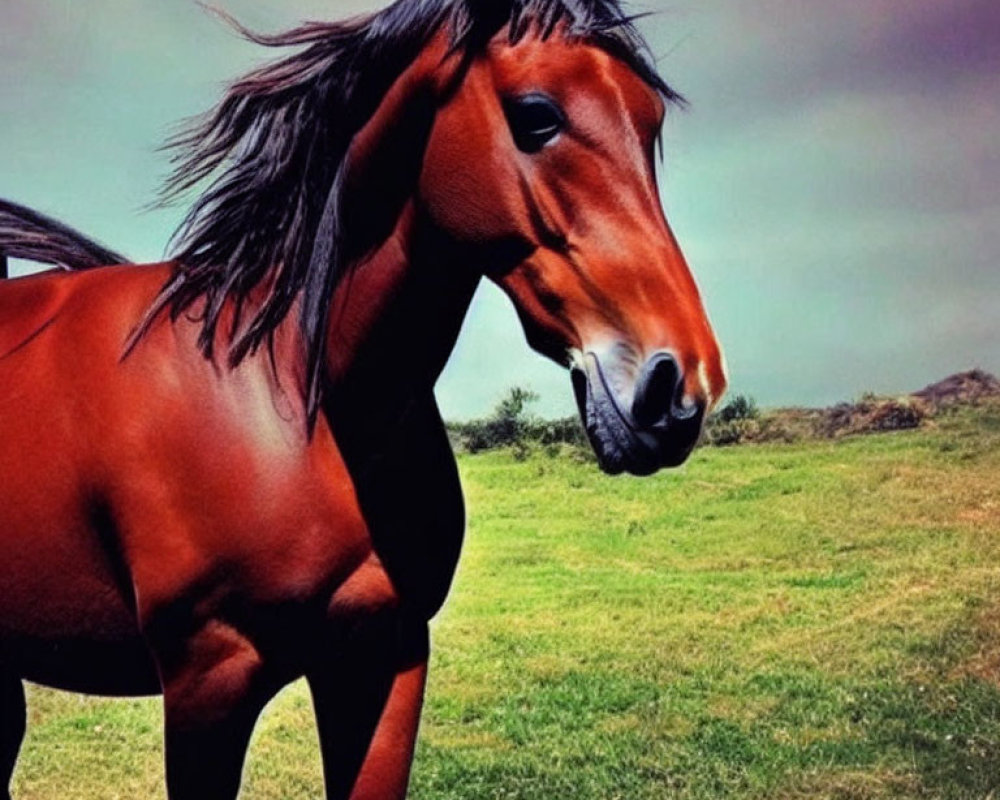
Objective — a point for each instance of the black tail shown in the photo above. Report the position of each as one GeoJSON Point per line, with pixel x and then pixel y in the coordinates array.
{"type": "Point", "coordinates": [29, 235]}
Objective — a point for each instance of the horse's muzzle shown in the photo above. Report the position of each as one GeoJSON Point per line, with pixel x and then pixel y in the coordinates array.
{"type": "Point", "coordinates": [636, 423]}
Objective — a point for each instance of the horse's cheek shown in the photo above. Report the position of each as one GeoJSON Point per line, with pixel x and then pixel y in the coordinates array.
{"type": "Point", "coordinates": [462, 187]}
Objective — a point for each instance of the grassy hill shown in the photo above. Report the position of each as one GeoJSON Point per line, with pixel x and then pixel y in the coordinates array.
{"type": "Point", "coordinates": [815, 619]}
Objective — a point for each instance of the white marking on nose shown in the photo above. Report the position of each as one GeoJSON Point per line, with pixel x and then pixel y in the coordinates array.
{"type": "Point", "coordinates": [706, 387]}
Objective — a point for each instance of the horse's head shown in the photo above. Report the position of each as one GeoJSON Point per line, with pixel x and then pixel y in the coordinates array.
{"type": "Point", "coordinates": [516, 138]}
{"type": "Point", "coordinates": [544, 154]}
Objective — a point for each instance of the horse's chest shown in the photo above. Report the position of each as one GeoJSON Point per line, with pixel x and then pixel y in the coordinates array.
{"type": "Point", "coordinates": [367, 592]}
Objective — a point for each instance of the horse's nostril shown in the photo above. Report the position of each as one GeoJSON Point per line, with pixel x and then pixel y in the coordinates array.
{"type": "Point", "coordinates": [659, 392]}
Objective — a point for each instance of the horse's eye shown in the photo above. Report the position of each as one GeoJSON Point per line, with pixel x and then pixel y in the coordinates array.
{"type": "Point", "coordinates": [534, 120]}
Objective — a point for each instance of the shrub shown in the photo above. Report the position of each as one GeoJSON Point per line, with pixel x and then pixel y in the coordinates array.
{"type": "Point", "coordinates": [872, 414]}
{"type": "Point", "coordinates": [735, 422]}
{"type": "Point", "coordinates": [740, 407]}
{"type": "Point", "coordinates": [740, 421]}
{"type": "Point", "coordinates": [511, 425]}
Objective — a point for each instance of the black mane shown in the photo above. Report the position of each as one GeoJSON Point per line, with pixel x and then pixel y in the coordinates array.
{"type": "Point", "coordinates": [277, 141]}
{"type": "Point", "coordinates": [32, 236]}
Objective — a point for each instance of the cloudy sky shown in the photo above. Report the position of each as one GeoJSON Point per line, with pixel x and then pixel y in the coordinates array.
{"type": "Point", "coordinates": [835, 183]}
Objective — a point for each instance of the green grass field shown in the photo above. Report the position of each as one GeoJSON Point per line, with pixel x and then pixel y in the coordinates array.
{"type": "Point", "coordinates": [816, 620]}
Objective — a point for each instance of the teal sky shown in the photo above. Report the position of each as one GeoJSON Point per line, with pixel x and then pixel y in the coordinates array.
{"type": "Point", "coordinates": [835, 184]}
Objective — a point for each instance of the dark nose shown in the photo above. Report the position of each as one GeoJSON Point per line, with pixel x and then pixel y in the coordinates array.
{"type": "Point", "coordinates": [659, 395]}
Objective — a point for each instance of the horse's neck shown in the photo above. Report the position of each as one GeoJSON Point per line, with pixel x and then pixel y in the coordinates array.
{"type": "Point", "coordinates": [393, 323]}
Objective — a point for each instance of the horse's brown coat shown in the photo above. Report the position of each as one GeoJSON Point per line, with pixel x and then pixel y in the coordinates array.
{"type": "Point", "coordinates": [167, 522]}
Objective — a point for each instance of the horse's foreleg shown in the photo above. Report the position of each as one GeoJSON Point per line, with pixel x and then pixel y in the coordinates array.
{"type": "Point", "coordinates": [12, 718]}
{"type": "Point", "coordinates": [213, 692]}
{"type": "Point", "coordinates": [367, 713]}
{"type": "Point", "coordinates": [386, 769]}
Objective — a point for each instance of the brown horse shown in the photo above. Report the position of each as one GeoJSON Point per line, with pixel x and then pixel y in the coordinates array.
{"type": "Point", "coordinates": [224, 472]}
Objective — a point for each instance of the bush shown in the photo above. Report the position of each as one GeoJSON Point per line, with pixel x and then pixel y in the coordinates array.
{"type": "Point", "coordinates": [511, 425]}
{"type": "Point", "coordinates": [740, 422]}
{"type": "Point", "coordinates": [740, 407]}
{"type": "Point", "coordinates": [735, 422]}
{"type": "Point", "coordinates": [872, 414]}
{"type": "Point", "coordinates": [552, 432]}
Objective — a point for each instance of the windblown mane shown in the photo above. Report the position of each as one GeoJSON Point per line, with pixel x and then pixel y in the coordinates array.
{"type": "Point", "coordinates": [277, 141]}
